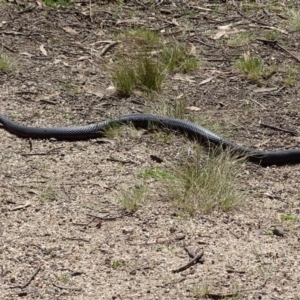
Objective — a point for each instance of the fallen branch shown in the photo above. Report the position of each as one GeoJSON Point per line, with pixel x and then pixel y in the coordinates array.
{"type": "Point", "coordinates": [28, 281]}
{"type": "Point", "coordinates": [107, 47]}
{"type": "Point", "coordinates": [190, 263]}
{"type": "Point", "coordinates": [276, 44]}
{"type": "Point", "coordinates": [66, 287]}
{"type": "Point", "coordinates": [278, 128]}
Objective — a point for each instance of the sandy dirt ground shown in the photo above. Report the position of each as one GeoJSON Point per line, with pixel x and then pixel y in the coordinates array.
{"type": "Point", "coordinates": [64, 235]}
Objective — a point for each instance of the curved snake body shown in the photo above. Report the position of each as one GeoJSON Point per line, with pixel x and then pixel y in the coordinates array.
{"type": "Point", "coordinates": [194, 131]}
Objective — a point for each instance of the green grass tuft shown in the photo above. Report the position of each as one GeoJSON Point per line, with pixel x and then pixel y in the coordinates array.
{"type": "Point", "coordinates": [202, 187]}
{"type": "Point", "coordinates": [133, 199]}
{"type": "Point", "coordinates": [57, 3]}
{"type": "Point", "coordinates": [293, 19]}
{"type": "Point", "coordinates": [253, 68]}
{"type": "Point", "coordinates": [6, 64]}
{"type": "Point", "coordinates": [150, 59]}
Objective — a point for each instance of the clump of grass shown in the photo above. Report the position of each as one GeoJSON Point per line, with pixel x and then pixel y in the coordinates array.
{"type": "Point", "coordinates": [251, 67]}
{"type": "Point", "coordinates": [49, 194]}
{"type": "Point", "coordinates": [293, 16]}
{"type": "Point", "coordinates": [149, 75]}
{"type": "Point", "coordinates": [124, 79]}
{"type": "Point", "coordinates": [288, 217]}
{"type": "Point", "coordinates": [156, 173]}
{"type": "Point", "coordinates": [57, 3]}
{"type": "Point", "coordinates": [143, 36]}
{"type": "Point", "coordinates": [5, 63]}
{"type": "Point", "coordinates": [133, 199]}
{"type": "Point", "coordinates": [174, 108]}
{"type": "Point", "coordinates": [117, 264]}
{"type": "Point", "coordinates": [241, 39]}
{"type": "Point", "coordinates": [70, 88]}
{"type": "Point", "coordinates": [291, 75]}
{"type": "Point", "coordinates": [153, 58]}
{"type": "Point", "coordinates": [203, 186]}
{"type": "Point", "coordinates": [271, 35]}
{"type": "Point", "coordinates": [176, 58]}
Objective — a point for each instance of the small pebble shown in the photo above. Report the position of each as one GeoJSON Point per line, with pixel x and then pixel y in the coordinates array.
{"type": "Point", "coordinates": [278, 231]}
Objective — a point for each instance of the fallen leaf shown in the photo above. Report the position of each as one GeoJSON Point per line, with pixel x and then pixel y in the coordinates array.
{"type": "Point", "coordinates": [174, 21]}
{"type": "Point", "coordinates": [206, 80]}
{"type": "Point", "coordinates": [193, 49]}
{"type": "Point", "coordinates": [43, 50]}
{"type": "Point", "coordinates": [83, 58]}
{"type": "Point", "coordinates": [193, 108]}
{"type": "Point", "coordinates": [263, 90]}
{"type": "Point", "coordinates": [48, 97]}
{"type": "Point", "coordinates": [70, 30]}
{"type": "Point", "coordinates": [127, 21]}
{"type": "Point", "coordinates": [184, 78]}
{"type": "Point", "coordinates": [26, 204]}
{"type": "Point", "coordinates": [219, 34]}
{"type": "Point", "coordinates": [225, 27]}
{"type": "Point", "coordinates": [99, 94]}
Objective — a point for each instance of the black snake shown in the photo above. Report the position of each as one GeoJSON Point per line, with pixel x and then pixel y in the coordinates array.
{"type": "Point", "coordinates": [194, 131]}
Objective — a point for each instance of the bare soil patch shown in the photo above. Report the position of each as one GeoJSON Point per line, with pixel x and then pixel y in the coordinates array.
{"type": "Point", "coordinates": [63, 234]}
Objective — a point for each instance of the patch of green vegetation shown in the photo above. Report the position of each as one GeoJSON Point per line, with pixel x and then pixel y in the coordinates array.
{"type": "Point", "coordinates": [288, 217]}
{"type": "Point", "coordinates": [212, 125]}
{"type": "Point", "coordinates": [293, 19]}
{"type": "Point", "coordinates": [203, 186]}
{"type": "Point", "coordinates": [113, 130]}
{"type": "Point", "coordinates": [65, 278]}
{"type": "Point", "coordinates": [57, 3]}
{"type": "Point", "coordinates": [149, 75]}
{"type": "Point", "coordinates": [124, 78]}
{"type": "Point", "coordinates": [174, 108]}
{"type": "Point", "coordinates": [241, 39]}
{"type": "Point", "coordinates": [271, 35]}
{"type": "Point", "coordinates": [49, 194]}
{"type": "Point", "coordinates": [70, 88]}
{"type": "Point", "coordinates": [69, 116]}
{"type": "Point", "coordinates": [6, 64]}
{"type": "Point", "coordinates": [142, 36]}
{"type": "Point", "coordinates": [205, 291]}
{"type": "Point", "coordinates": [291, 75]}
{"type": "Point", "coordinates": [117, 264]}
{"type": "Point", "coordinates": [54, 41]}
{"type": "Point", "coordinates": [151, 59]}
{"type": "Point", "coordinates": [253, 68]}
{"type": "Point", "coordinates": [176, 58]}
{"type": "Point", "coordinates": [133, 199]}
{"type": "Point", "coordinates": [155, 173]}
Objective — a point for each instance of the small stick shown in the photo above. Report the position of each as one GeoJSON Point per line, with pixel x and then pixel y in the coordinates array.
{"type": "Point", "coordinates": [248, 18]}
{"type": "Point", "coordinates": [76, 239]}
{"type": "Point", "coordinates": [28, 281]}
{"type": "Point", "coordinates": [279, 129]}
{"type": "Point", "coordinates": [107, 47]}
{"type": "Point", "coordinates": [287, 51]}
{"type": "Point", "coordinates": [189, 252]}
{"type": "Point", "coordinates": [108, 218]}
{"type": "Point", "coordinates": [66, 287]}
{"type": "Point", "coordinates": [190, 263]}
{"type": "Point", "coordinates": [275, 43]}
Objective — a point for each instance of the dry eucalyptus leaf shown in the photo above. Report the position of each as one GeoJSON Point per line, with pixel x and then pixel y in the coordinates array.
{"type": "Point", "coordinates": [206, 80]}
{"type": "Point", "coordinates": [70, 30]}
{"type": "Point", "coordinates": [193, 108]}
{"type": "Point", "coordinates": [193, 49]}
{"type": "Point", "coordinates": [43, 50]}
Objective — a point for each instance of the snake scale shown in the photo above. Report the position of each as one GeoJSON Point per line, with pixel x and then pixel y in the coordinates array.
{"type": "Point", "coordinates": [194, 131]}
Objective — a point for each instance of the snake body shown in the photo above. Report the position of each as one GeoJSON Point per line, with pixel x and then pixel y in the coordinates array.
{"type": "Point", "coordinates": [193, 130]}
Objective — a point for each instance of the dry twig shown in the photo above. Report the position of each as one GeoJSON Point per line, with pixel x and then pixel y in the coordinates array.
{"type": "Point", "coordinates": [28, 281]}
{"type": "Point", "coordinates": [190, 263]}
